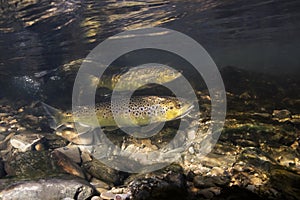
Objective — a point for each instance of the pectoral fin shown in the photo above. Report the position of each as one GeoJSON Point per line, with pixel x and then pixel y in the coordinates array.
{"type": "Point", "coordinates": [53, 115]}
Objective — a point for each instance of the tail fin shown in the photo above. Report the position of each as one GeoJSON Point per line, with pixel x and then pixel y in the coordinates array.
{"type": "Point", "coordinates": [54, 116]}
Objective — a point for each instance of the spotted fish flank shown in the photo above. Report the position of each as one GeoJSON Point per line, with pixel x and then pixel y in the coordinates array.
{"type": "Point", "coordinates": [142, 110]}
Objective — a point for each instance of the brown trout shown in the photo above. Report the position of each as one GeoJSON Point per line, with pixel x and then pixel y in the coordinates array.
{"type": "Point", "coordinates": [136, 77]}
{"type": "Point", "coordinates": [142, 110]}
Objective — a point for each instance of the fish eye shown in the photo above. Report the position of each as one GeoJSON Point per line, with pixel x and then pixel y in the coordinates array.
{"type": "Point", "coordinates": [171, 107]}
{"type": "Point", "coordinates": [68, 114]}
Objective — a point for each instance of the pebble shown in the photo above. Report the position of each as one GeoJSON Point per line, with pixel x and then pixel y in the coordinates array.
{"type": "Point", "coordinates": [191, 150]}
{"type": "Point", "coordinates": [2, 129]}
{"type": "Point", "coordinates": [39, 147]}
{"type": "Point", "coordinates": [13, 121]}
{"type": "Point", "coordinates": [191, 135]}
{"type": "Point", "coordinates": [3, 114]}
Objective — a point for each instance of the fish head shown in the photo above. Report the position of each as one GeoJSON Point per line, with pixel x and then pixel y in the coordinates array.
{"type": "Point", "coordinates": [177, 108]}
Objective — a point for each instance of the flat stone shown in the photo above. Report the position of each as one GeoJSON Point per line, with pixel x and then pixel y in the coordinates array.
{"type": "Point", "coordinates": [281, 114]}
{"type": "Point", "coordinates": [25, 142]}
{"type": "Point", "coordinates": [263, 115]}
{"type": "Point", "coordinates": [48, 189]}
{"type": "Point", "coordinates": [107, 195]}
{"type": "Point", "coordinates": [218, 160]}
{"type": "Point", "coordinates": [71, 152]}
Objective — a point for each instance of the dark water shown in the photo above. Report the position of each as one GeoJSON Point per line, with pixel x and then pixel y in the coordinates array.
{"type": "Point", "coordinates": [42, 35]}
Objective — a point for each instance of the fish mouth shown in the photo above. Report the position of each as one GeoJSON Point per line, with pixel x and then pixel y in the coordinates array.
{"type": "Point", "coordinates": [186, 112]}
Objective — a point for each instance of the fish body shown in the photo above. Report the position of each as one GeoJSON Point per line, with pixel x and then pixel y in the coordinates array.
{"type": "Point", "coordinates": [142, 110]}
{"type": "Point", "coordinates": [139, 76]}
{"type": "Point", "coordinates": [131, 79]}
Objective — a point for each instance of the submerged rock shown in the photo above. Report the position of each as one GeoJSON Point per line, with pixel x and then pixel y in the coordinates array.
{"type": "Point", "coordinates": [287, 182]}
{"type": "Point", "coordinates": [4, 144]}
{"type": "Point", "coordinates": [281, 115]}
{"type": "Point", "coordinates": [167, 183]}
{"type": "Point", "coordinates": [210, 181]}
{"type": "Point", "coordinates": [48, 189]}
{"type": "Point", "coordinates": [67, 164]}
{"type": "Point", "coordinates": [2, 171]}
{"type": "Point", "coordinates": [32, 164]}
{"type": "Point", "coordinates": [102, 172]}
{"type": "Point", "coordinates": [71, 152]}
{"type": "Point", "coordinates": [256, 156]}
